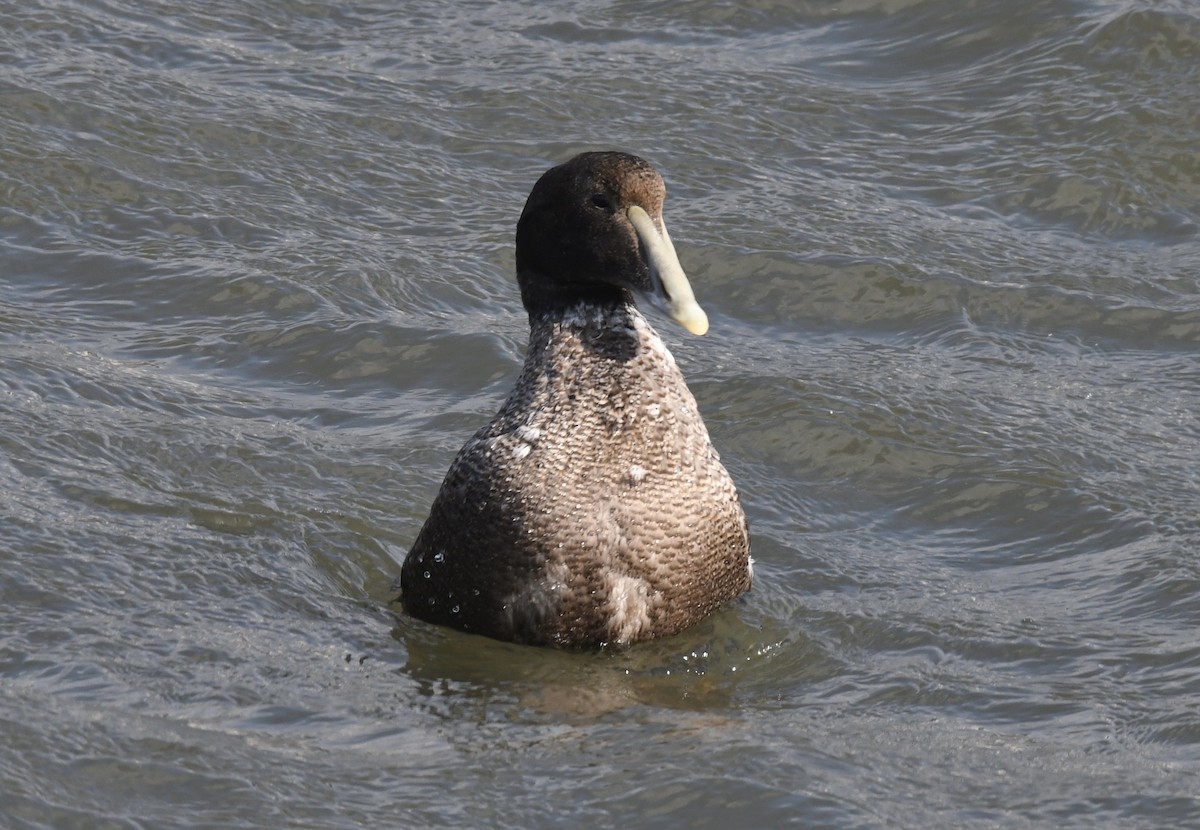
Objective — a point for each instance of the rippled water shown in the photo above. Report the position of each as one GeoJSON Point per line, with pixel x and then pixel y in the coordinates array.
{"type": "Point", "coordinates": [255, 291]}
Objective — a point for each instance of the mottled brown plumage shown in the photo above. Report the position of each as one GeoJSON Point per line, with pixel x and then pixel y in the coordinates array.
{"type": "Point", "coordinates": [592, 509]}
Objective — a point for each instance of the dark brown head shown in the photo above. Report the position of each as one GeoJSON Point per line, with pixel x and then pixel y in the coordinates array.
{"type": "Point", "coordinates": [592, 230]}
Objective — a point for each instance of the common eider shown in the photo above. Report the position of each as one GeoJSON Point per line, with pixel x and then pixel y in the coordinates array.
{"type": "Point", "coordinates": [592, 510]}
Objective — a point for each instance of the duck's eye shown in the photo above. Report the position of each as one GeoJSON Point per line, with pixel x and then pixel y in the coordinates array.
{"type": "Point", "coordinates": [602, 201]}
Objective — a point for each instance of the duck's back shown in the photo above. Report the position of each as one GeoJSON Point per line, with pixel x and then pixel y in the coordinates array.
{"type": "Point", "coordinates": [592, 509]}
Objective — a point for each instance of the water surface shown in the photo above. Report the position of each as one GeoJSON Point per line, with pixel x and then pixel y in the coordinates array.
{"type": "Point", "coordinates": [255, 291]}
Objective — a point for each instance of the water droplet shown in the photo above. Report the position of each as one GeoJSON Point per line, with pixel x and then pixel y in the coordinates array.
{"type": "Point", "coordinates": [427, 574]}
{"type": "Point", "coordinates": [439, 557]}
{"type": "Point", "coordinates": [454, 610]}
{"type": "Point", "coordinates": [475, 591]}
{"type": "Point", "coordinates": [432, 602]}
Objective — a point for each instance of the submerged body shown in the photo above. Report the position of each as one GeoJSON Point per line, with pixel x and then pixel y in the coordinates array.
{"type": "Point", "coordinates": [593, 508]}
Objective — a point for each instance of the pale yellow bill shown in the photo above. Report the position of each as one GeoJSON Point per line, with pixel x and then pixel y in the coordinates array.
{"type": "Point", "coordinates": [668, 273]}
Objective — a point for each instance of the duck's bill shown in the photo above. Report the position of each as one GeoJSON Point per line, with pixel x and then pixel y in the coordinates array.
{"type": "Point", "coordinates": [671, 286]}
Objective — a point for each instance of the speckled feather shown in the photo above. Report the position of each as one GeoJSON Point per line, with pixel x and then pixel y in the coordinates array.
{"type": "Point", "coordinates": [593, 508]}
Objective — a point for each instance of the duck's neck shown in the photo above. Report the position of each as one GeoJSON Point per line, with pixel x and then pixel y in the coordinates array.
{"type": "Point", "coordinates": [544, 298]}
{"type": "Point", "coordinates": [591, 363]}
{"type": "Point", "coordinates": [608, 330]}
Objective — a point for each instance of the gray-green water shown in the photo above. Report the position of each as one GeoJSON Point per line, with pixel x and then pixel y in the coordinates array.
{"type": "Point", "coordinates": [255, 291]}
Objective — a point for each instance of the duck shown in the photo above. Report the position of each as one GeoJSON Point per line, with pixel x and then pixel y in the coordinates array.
{"type": "Point", "coordinates": [592, 511]}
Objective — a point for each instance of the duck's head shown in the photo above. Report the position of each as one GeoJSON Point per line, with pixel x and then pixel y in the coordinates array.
{"type": "Point", "coordinates": [592, 230]}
